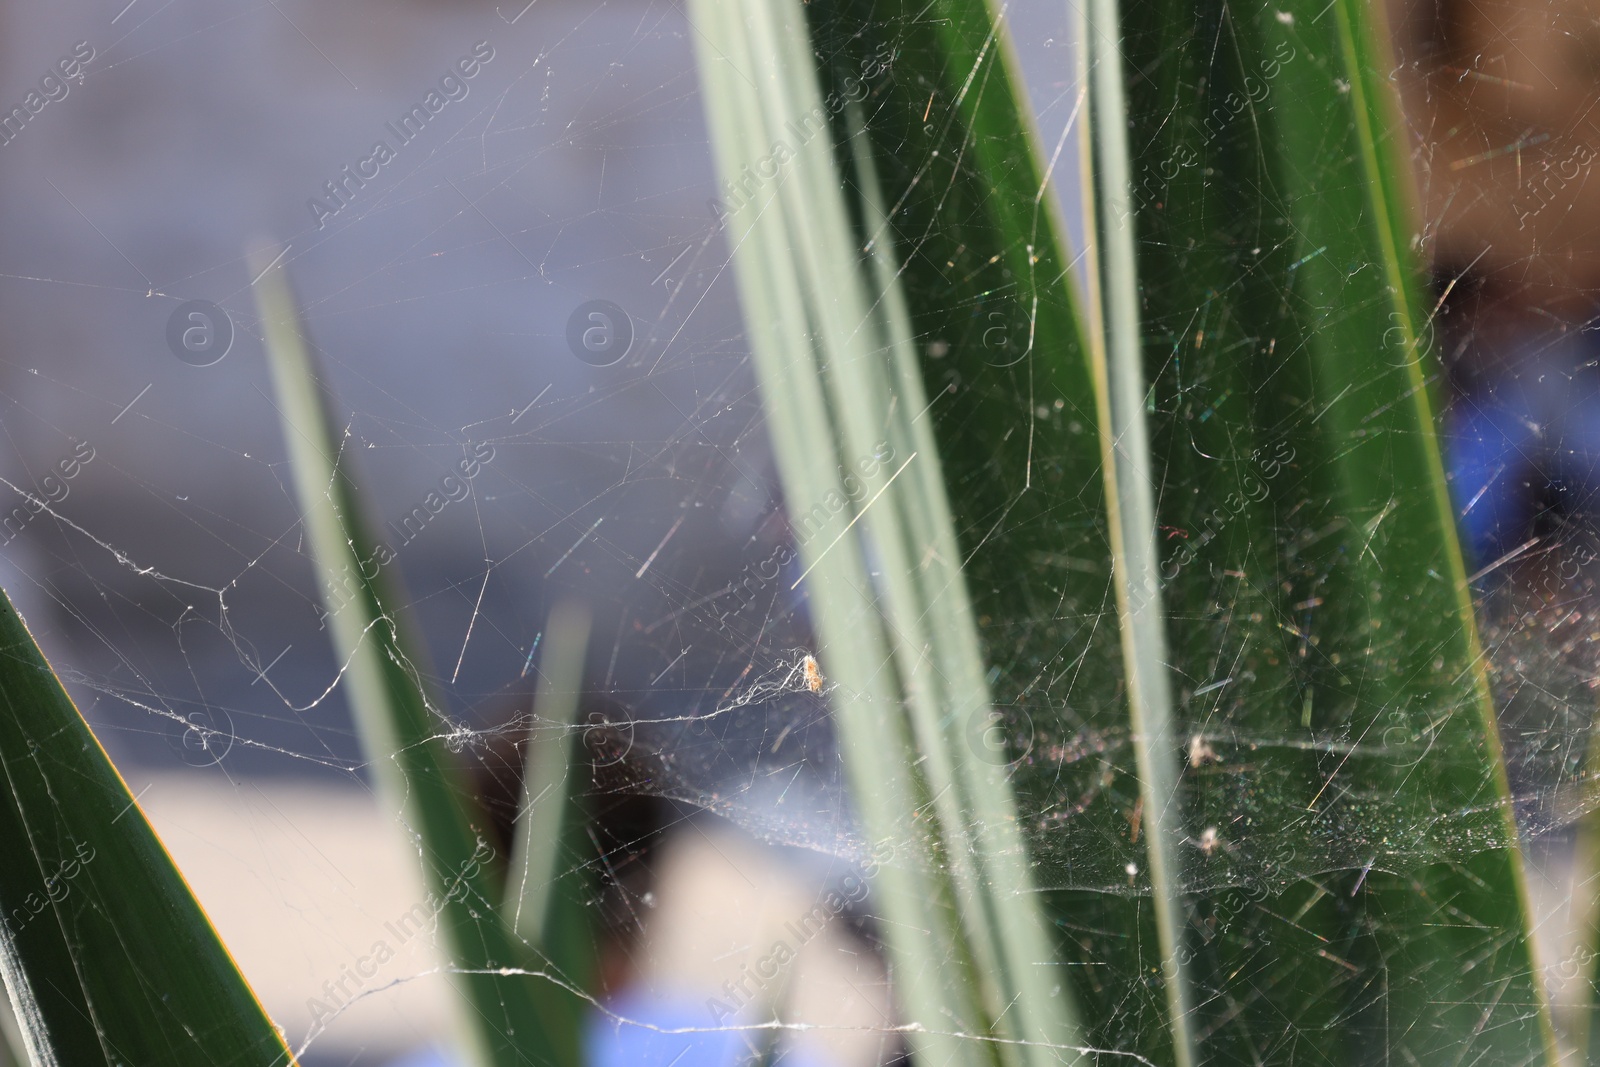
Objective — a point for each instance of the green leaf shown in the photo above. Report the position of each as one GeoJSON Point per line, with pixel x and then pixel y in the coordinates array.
{"type": "Point", "coordinates": [510, 1016]}
{"type": "Point", "coordinates": [897, 635]}
{"type": "Point", "coordinates": [1116, 344]}
{"type": "Point", "coordinates": [1317, 571]}
{"type": "Point", "coordinates": [546, 888]}
{"type": "Point", "coordinates": [1017, 406]}
{"type": "Point", "coordinates": [106, 956]}
{"type": "Point", "coordinates": [1343, 837]}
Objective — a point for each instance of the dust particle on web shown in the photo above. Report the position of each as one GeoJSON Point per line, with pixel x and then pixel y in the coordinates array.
{"type": "Point", "coordinates": [813, 673]}
{"type": "Point", "coordinates": [1200, 753]}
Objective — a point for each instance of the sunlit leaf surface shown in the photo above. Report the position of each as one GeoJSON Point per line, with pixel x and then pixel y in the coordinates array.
{"type": "Point", "coordinates": [106, 957]}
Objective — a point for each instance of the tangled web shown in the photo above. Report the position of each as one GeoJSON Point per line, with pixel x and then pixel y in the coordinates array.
{"type": "Point", "coordinates": [516, 451]}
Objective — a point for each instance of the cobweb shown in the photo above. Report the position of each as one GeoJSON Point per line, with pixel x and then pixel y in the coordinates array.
{"type": "Point", "coordinates": [151, 533]}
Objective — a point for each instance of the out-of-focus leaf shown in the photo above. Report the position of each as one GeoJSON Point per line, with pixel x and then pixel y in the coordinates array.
{"type": "Point", "coordinates": [832, 344]}
{"type": "Point", "coordinates": [1017, 405]}
{"type": "Point", "coordinates": [12, 1052]}
{"type": "Point", "coordinates": [508, 1017]}
{"type": "Point", "coordinates": [106, 956]}
{"type": "Point", "coordinates": [546, 886]}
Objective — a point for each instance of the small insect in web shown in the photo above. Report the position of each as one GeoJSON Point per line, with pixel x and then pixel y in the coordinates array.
{"type": "Point", "coordinates": [800, 675]}
{"type": "Point", "coordinates": [812, 673]}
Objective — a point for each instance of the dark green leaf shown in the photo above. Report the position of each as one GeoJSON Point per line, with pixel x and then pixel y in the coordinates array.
{"type": "Point", "coordinates": [1317, 569]}
{"type": "Point", "coordinates": [106, 956]}
{"type": "Point", "coordinates": [1335, 719]}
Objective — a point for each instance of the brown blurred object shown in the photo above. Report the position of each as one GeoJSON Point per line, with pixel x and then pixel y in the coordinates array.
{"type": "Point", "coordinates": [624, 825]}
{"type": "Point", "coordinates": [1501, 103]}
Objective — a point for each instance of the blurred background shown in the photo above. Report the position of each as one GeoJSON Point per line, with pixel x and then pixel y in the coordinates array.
{"type": "Point", "coordinates": [150, 146]}
{"type": "Point", "coordinates": [1500, 101]}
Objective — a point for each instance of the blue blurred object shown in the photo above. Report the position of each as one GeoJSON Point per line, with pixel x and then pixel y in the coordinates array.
{"type": "Point", "coordinates": [646, 1031]}
{"type": "Point", "coordinates": [641, 1030]}
{"type": "Point", "coordinates": [1525, 446]}
{"type": "Point", "coordinates": [432, 1056]}
{"type": "Point", "coordinates": [1490, 451]}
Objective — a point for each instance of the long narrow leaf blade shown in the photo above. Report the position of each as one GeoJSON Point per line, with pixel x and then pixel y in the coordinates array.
{"type": "Point", "coordinates": [931, 986]}
{"type": "Point", "coordinates": [1016, 410]}
{"type": "Point", "coordinates": [545, 887]}
{"type": "Point", "coordinates": [1131, 509]}
{"type": "Point", "coordinates": [1321, 617]}
{"type": "Point", "coordinates": [106, 956]}
{"type": "Point", "coordinates": [831, 339]}
{"type": "Point", "coordinates": [509, 1017]}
